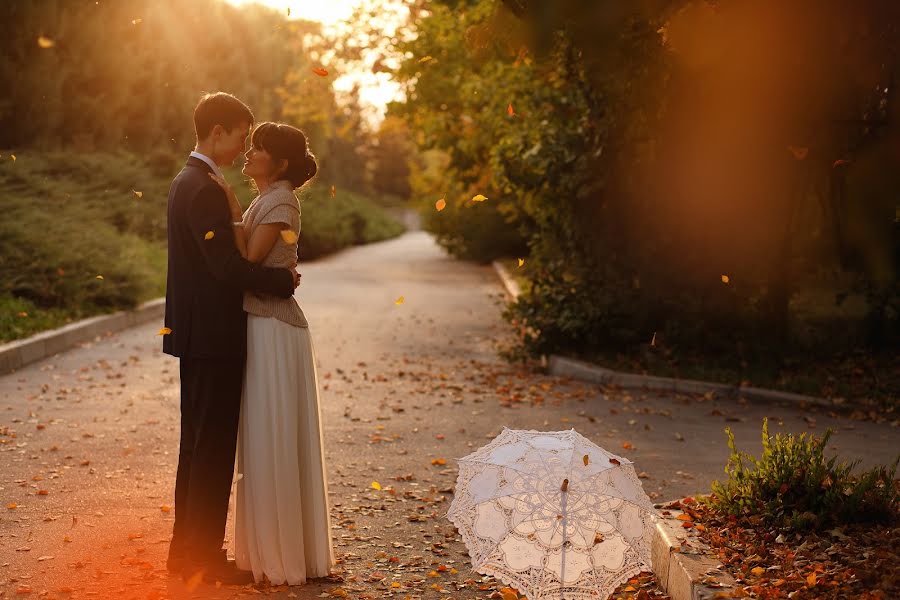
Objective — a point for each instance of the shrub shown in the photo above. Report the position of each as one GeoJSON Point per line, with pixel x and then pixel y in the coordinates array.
{"type": "Point", "coordinates": [794, 486]}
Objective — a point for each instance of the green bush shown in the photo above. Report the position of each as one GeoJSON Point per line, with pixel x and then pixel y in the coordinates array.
{"type": "Point", "coordinates": [794, 486]}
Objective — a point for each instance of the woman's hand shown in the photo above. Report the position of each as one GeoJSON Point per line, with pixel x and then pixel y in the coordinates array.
{"type": "Point", "coordinates": [237, 212]}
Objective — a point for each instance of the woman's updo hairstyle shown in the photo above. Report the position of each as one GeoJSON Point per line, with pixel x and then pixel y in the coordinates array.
{"type": "Point", "coordinates": [285, 142]}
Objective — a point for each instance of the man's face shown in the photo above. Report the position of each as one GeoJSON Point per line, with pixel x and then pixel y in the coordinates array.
{"type": "Point", "coordinates": [231, 143]}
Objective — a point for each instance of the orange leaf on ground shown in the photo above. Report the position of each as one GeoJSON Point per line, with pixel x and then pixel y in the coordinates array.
{"type": "Point", "coordinates": [320, 72]}
{"type": "Point", "coordinates": [510, 111]}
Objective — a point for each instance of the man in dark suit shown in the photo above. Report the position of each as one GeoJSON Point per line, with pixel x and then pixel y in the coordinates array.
{"type": "Point", "coordinates": [206, 280]}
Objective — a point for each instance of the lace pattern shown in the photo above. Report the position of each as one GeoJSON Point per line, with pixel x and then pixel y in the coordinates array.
{"type": "Point", "coordinates": [521, 527]}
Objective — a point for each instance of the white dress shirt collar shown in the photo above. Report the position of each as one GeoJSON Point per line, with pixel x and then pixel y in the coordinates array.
{"type": "Point", "coordinates": [212, 164]}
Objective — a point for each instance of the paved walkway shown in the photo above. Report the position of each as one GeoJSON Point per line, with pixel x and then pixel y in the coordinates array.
{"type": "Point", "coordinates": [88, 439]}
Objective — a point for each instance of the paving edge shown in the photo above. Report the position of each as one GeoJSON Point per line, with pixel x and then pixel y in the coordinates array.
{"type": "Point", "coordinates": [576, 369]}
{"type": "Point", "coordinates": [19, 353]}
{"type": "Point", "coordinates": [683, 566]}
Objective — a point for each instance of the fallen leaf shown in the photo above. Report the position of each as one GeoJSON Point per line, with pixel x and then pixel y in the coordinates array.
{"type": "Point", "coordinates": [12, 506]}
{"type": "Point", "coordinates": [440, 205]}
{"type": "Point", "coordinates": [586, 459]}
{"type": "Point", "coordinates": [45, 42]}
{"type": "Point", "coordinates": [376, 485]}
{"type": "Point", "coordinates": [478, 198]}
{"type": "Point", "coordinates": [320, 72]}
{"type": "Point", "coordinates": [164, 331]}
{"type": "Point", "coordinates": [289, 236]}
{"type": "Point", "coordinates": [138, 194]}
{"type": "Point", "coordinates": [21, 314]}
{"type": "Point", "coordinates": [510, 111]}
{"type": "Point", "coordinates": [209, 235]}
{"type": "Point", "coordinates": [100, 277]}
{"type": "Point", "coordinates": [438, 461]}
{"type": "Point", "coordinates": [165, 508]}
{"type": "Point", "coordinates": [521, 262]}
{"type": "Point", "coordinates": [811, 579]}
{"type": "Point", "coordinates": [627, 445]}
{"type": "Point", "coordinates": [799, 152]}
{"type": "Point", "coordinates": [399, 300]}
{"type": "Point", "coordinates": [425, 59]}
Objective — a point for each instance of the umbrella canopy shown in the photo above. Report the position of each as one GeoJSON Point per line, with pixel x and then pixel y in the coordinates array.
{"type": "Point", "coordinates": [552, 514]}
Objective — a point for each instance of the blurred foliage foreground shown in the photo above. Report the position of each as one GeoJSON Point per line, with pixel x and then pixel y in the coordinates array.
{"type": "Point", "coordinates": [86, 234]}
{"type": "Point", "coordinates": [714, 183]}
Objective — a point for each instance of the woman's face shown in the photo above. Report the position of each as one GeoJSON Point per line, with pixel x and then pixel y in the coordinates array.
{"type": "Point", "coordinates": [260, 164]}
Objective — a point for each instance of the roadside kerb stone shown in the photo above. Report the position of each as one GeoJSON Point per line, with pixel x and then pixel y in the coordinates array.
{"type": "Point", "coordinates": [684, 565]}
{"type": "Point", "coordinates": [576, 369]}
{"type": "Point", "coordinates": [18, 353]}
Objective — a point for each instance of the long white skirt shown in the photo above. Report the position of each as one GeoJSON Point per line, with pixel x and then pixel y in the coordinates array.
{"type": "Point", "coordinates": [282, 525]}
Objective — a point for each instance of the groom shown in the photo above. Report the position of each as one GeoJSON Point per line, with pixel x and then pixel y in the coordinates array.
{"type": "Point", "coordinates": [204, 310]}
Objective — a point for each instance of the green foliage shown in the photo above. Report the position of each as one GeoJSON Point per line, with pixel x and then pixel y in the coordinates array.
{"type": "Point", "coordinates": [331, 224]}
{"type": "Point", "coordinates": [127, 74]}
{"type": "Point", "coordinates": [793, 485]}
{"type": "Point", "coordinates": [69, 218]}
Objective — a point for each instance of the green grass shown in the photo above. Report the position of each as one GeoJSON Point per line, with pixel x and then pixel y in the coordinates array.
{"type": "Point", "coordinates": [69, 217]}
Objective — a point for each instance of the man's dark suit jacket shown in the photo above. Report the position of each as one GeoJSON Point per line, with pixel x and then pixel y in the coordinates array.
{"type": "Point", "coordinates": [207, 277]}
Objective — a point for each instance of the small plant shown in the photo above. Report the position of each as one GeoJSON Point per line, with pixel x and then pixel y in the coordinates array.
{"type": "Point", "coordinates": [794, 486]}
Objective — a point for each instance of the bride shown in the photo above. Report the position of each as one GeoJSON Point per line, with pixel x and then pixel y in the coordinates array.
{"type": "Point", "coordinates": [282, 524]}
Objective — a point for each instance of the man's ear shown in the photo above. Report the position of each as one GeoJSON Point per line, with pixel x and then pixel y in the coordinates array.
{"type": "Point", "coordinates": [217, 131]}
{"type": "Point", "coordinates": [282, 168]}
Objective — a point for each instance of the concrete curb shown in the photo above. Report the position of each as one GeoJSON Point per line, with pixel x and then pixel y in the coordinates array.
{"type": "Point", "coordinates": [18, 353]}
{"type": "Point", "coordinates": [576, 369]}
{"type": "Point", "coordinates": [683, 564]}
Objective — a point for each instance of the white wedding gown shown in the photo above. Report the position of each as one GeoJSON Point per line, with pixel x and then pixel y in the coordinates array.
{"type": "Point", "coordinates": [282, 525]}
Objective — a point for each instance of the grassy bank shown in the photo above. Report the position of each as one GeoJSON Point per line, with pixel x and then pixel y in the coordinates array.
{"type": "Point", "coordinates": [85, 234]}
{"type": "Point", "coordinates": [865, 378]}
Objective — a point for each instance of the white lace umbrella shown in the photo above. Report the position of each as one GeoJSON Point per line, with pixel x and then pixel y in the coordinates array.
{"type": "Point", "coordinates": [553, 515]}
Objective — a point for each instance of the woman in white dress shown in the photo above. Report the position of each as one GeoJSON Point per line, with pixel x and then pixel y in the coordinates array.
{"type": "Point", "coordinates": [282, 524]}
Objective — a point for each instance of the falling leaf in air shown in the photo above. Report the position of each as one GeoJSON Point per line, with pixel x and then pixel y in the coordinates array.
{"type": "Point", "coordinates": [627, 445]}
{"type": "Point", "coordinates": [100, 277]}
{"type": "Point", "coordinates": [209, 235]}
{"type": "Point", "coordinates": [399, 300]}
{"type": "Point", "coordinates": [478, 198]}
{"type": "Point", "coordinates": [653, 340]}
{"type": "Point", "coordinates": [333, 191]}
{"type": "Point", "coordinates": [799, 152]}
{"type": "Point", "coordinates": [164, 331]}
{"type": "Point", "coordinates": [510, 111]}
{"type": "Point", "coordinates": [289, 236]}
{"type": "Point", "coordinates": [45, 42]}
{"type": "Point", "coordinates": [137, 21]}
{"type": "Point", "coordinates": [288, 11]}
{"type": "Point", "coordinates": [376, 485]}
{"type": "Point", "coordinates": [138, 194]}
{"type": "Point", "coordinates": [521, 262]}
{"type": "Point", "coordinates": [165, 508]}
{"type": "Point", "coordinates": [320, 72]}
{"type": "Point", "coordinates": [725, 279]}
{"type": "Point", "coordinates": [425, 59]}
{"type": "Point", "coordinates": [13, 157]}
{"type": "Point", "coordinates": [586, 459]}
{"type": "Point", "coordinates": [440, 205]}
{"type": "Point", "coordinates": [840, 163]}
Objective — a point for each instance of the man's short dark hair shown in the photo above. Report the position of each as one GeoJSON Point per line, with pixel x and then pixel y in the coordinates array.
{"type": "Point", "coordinates": [222, 109]}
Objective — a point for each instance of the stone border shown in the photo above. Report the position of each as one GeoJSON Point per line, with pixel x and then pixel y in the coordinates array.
{"type": "Point", "coordinates": [683, 564]}
{"type": "Point", "coordinates": [576, 369]}
{"type": "Point", "coordinates": [18, 353]}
